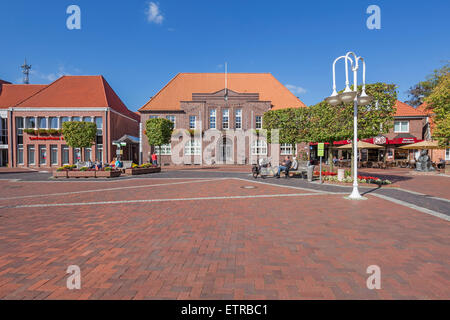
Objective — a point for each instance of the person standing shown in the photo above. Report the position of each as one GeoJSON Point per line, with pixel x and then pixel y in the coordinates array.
{"type": "Point", "coordinates": [154, 159]}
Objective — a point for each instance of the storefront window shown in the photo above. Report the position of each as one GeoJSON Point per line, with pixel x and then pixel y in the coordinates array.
{"type": "Point", "coordinates": [31, 155]}
{"type": "Point", "coordinates": [87, 154]}
{"type": "Point", "coordinates": [76, 155]}
{"type": "Point", "coordinates": [65, 154]}
{"type": "Point", "coordinates": [20, 154]}
{"type": "Point", "coordinates": [42, 155]}
{"type": "Point", "coordinates": [400, 154]}
{"type": "Point", "coordinates": [54, 154]}
{"type": "Point", "coordinates": [99, 152]}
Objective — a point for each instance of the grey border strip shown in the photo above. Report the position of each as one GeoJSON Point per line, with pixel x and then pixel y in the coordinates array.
{"type": "Point", "coordinates": [413, 206]}
{"type": "Point", "coordinates": [159, 200]}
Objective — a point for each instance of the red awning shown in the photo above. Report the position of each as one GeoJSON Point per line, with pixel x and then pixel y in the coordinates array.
{"type": "Point", "coordinates": [403, 140]}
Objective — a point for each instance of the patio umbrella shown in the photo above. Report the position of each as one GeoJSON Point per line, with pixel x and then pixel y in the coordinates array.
{"type": "Point", "coordinates": [422, 145]}
{"type": "Point", "coordinates": [361, 145]}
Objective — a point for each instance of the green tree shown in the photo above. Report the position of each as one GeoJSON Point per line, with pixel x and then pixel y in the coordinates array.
{"type": "Point", "coordinates": [333, 123]}
{"type": "Point", "coordinates": [158, 132]}
{"type": "Point", "coordinates": [419, 92]}
{"type": "Point", "coordinates": [79, 134]}
{"type": "Point", "coordinates": [291, 123]}
{"type": "Point", "coordinates": [439, 103]}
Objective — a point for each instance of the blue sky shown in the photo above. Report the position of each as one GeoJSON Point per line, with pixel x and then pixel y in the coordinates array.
{"type": "Point", "coordinates": [139, 50]}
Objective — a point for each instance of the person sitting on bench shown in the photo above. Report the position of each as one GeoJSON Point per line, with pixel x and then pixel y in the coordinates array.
{"type": "Point", "coordinates": [285, 166]}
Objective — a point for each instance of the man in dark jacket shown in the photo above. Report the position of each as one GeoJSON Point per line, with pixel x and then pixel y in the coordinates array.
{"type": "Point", "coordinates": [285, 166]}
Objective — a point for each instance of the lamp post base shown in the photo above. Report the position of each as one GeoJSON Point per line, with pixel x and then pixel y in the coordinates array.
{"type": "Point", "coordinates": [355, 195]}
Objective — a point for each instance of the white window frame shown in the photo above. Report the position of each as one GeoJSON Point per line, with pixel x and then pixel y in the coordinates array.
{"type": "Point", "coordinates": [258, 124]}
{"type": "Point", "coordinates": [31, 160]}
{"type": "Point", "coordinates": [192, 125]}
{"type": "Point", "coordinates": [53, 147]}
{"type": "Point", "coordinates": [259, 148]}
{"type": "Point", "coordinates": [226, 115]}
{"type": "Point", "coordinates": [447, 154]}
{"type": "Point", "coordinates": [286, 149]}
{"type": "Point", "coordinates": [212, 118]}
{"type": "Point", "coordinates": [99, 151]}
{"type": "Point", "coordinates": [86, 150]}
{"type": "Point", "coordinates": [401, 123]}
{"type": "Point", "coordinates": [192, 148]}
{"type": "Point", "coordinates": [65, 148]}
{"type": "Point", "coordinates": [42, 147]}
{"type": "Point", "coordinates": [50, 123]}
{"type": "Point", "coordinates": [20, 150]}
{"type": "Point", "coordinates": [238, 119]}
{"type": "Point", "coordinates": [170, 117]}
{"type": "Point", "coordinates": [166, 150]}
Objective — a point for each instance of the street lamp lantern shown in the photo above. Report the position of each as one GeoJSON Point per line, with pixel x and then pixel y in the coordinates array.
{"type": "Point", "coordinates": [364, 99]}
{"type": "Point", "coordinates": [334, 99]}
{"type": "Point", "coordinates": [348, 96]}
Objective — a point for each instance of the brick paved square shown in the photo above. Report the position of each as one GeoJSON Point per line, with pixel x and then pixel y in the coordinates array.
{"type": "Point", "coordinates": [214, 238]}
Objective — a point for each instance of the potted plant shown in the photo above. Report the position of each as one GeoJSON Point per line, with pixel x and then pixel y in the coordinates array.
{"type": "Point", "coordinates": [61, 172]}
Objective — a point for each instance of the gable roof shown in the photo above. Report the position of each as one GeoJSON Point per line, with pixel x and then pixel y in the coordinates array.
{"type": "Point", "coordinates": [405, 110]}
{"type": "Point", "coordinates": [77, 92]}
{"type": "Point", "coordinates": [423, 108]}
{"type": "Point", "coordinates": [4, 82]}
{"type": "Point", "coordinates": [183, 85]}
{"type": "Point", "coordinates": [12, 94]}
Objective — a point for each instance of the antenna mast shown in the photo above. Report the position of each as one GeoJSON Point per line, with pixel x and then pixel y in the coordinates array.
{"type": "Point", "coordinates": [26, 72]}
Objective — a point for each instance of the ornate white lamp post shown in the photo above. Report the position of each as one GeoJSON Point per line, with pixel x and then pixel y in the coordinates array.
{"type": "Point", "coordinates": [348, 96]}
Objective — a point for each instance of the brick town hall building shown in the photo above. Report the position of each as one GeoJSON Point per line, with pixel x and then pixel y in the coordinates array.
{"type": "Point", "coordinates": [45, 107]}
{"type": "Point", "coordinates": [233, 102]}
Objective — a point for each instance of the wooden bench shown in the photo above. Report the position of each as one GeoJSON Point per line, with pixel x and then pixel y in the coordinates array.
{"type": "Point", "coordinates": [302, 168]}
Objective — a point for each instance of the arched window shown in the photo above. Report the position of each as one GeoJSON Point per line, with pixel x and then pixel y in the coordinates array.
{"type": "Point", "coordinates": [192, 148]}
{"type": "Point", "coordinates": [259, 147]}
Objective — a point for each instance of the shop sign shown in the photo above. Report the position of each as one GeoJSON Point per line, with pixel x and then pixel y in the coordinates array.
{"type": "Point", "coordinates": [320, 149]}
{"type": "Point", "coordinates": [379, 140]}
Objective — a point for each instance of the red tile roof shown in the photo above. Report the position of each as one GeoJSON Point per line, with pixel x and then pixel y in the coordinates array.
{"type": "Point", "coordinates": [405, 110]}
{"type": "Point", "coordinates": [4, 82]}
{"type": "Point", "coordinates": [181, 87]}
{"type": "Point", "coordinates": [423, 108]}
{"type": "Point", "coordinates": [13, 94]}
{"type": "Point", "coordinates": [78, 92]}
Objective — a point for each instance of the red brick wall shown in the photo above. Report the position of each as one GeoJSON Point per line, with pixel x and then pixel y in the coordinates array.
{"type": "Point", "coordinates": [113, 128]}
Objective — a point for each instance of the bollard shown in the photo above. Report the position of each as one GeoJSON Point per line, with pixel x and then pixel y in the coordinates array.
{"type": "Point", "coordinates": [341, 174]}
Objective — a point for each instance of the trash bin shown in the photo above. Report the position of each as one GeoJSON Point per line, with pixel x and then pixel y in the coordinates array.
{"type": "Point", "coordinates": [341, 174]}
{"type": "Point", "coordinates": [309, 172]}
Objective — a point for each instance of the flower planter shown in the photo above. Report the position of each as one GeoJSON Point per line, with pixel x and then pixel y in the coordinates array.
{"type": "Point", "coordinates": [60, 174]}
{"type": "Point", "coordinates": [107, 174]}
{"type": "Point", "coordinates": [81, 174]}
{"type": "Point", "coordinates": [135, 171]}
